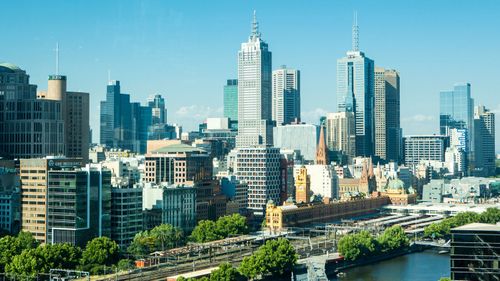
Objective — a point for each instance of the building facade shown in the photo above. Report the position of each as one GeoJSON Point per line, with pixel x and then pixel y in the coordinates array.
{"type": "Point", "coordinates": [355, 93]}
{"type": "Point", "coordinates": [259, 167]}
{"type": "Point", "coordinates": [297, 137]}
{"type": "Point", "coordinates": [254, 91]}
{"type": "Point", "coordinates": [424, 148]}
{"type": "Point", "coordinates": [341, 133]}
{"type": "Point", "coordinates": [126, 215]}
{"type": "Point", "coordinates": [286, 96]}
{"type": "Point", "coordinates": [231, 99]}
{"type": "Point", "coordinates": [484, 143]}
{"type": "Point", "coordinates": [179, 207]}
{"type": "Point", "coordinates": [387, 115]}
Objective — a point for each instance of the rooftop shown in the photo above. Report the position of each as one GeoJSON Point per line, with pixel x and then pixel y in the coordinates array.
{"type": "Point", "coordinates": [479, 227]}
{"type": "Point", "coordinates": [178, 148]}
{"type": "Point", "coordinates": [9, 67]}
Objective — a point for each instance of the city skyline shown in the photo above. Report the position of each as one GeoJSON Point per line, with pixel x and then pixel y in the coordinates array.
{"type": "Point", "coordinates": [86, 62]}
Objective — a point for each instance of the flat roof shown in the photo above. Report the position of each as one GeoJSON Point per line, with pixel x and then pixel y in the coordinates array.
{"type": "Point", "coordinates": [441, 207]}
{"type": "Point", "coordinates": [479, 227]}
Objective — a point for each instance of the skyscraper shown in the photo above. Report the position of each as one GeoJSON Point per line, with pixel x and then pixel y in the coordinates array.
{"type": "Point", "coordinates": [286, 95]}
{"type": "Point", "coordinates": [231, 99]}
{"type": "Point", "coordinates": [387, 115]}
{"type": "Point", "coordinates": [158, 109]}
{"type": "Point", "coordinates": [254, 91]}
{"type": "Point", "coordinates": [484, 134]}
{"type": "Point", "coordinates": [355, 87]}
{"type": "Point", "coordinates": [457, 112]}
{"type": "Point", "coordinates": [29, 126]}
{"type": "Point", "coordinates": [341, 133]}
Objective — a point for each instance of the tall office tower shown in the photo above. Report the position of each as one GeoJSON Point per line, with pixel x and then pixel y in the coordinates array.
{"type": "Point", "coordinates": [158, 109]}
{"type": "Point", "coordinates": [484, 152]}
{"type": "Point", "coordinates": [424, 148]}
{"type": "Point", "coordinates": [457, 112]}
{"type": "Point", "coordinates": [78, 205]}
{"type": "Point", "coordinates": [231, 99]}
{"type": "Point", "coordinates": [321, 150]}
{"type": "Point", "coordinates": [254, 91]}
{"type": "Point", "coordinates": [118, 127]}
{"type": "Point", "coordinates": [355, 91]}
{"type": "Point", "coordinates": [286, 95]}
{"type": "Point", "coordinates": [341, 133]}
{"type": "Point", "coordinates": [77, 125]}
{"type": "Point", "coordinates": [34, 175]}
{"type": "Point", "coordinates": [387, 115]}
{"type": "Point", "coordinates": [262, 176]}
{"type": "Point", "coordinates": [29, 127]}
{"type": "Point", "coordinates": [142, 117]}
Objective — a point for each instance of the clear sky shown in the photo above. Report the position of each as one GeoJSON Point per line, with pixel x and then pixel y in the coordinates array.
{"type": "Point", "coordinates": [185, 50]}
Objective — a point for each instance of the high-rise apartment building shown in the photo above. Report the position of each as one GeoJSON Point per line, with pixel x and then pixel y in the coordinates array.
{"type": "Point", "coordinates": [254, 91]}
{"type": "Point", "coordinates": [286, 96]}
{"type": "Point", "coordinates": [355, 92]}
{"type": "Point", "coordinates": [231, 99]}
{"type": "Point", "coordinates": [77, 125]}
{"type": "Point", "coordinates": [424, 148]}
{"type": "Point", "coordinates": [484, 134]}
{"type": "Point", "coordinates": [341, 133]}
{"type": "Point", "coordinates": [30, 127]}
{"type": "Point", "coordinates": [259, 167]}
{"type": "Point", "coordinates": [387, 115]}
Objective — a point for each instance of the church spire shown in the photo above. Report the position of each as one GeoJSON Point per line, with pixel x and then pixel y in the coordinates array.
{"type": "Point", "coordinates": [255, 27]}
{"type": "Point", "coordinates": [355, 33]}
{"type": "Point", "coordinates": [322, 151]}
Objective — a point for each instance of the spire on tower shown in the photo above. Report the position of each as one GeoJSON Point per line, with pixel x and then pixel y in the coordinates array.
{"type": "Point", "coordinates": [57, 58]}
{"type": "Point", "coordinates": [322, 151]}
{"type": "Point", "coordinates": [355, 33]}
{"type": "Point", "coordinates": [255, 26]}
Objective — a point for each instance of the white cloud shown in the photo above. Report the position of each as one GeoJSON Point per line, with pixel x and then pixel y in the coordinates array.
{"type": "Point", "coordinates": [418, 118]}
{"type": "Point", "coordinates": [312, 116]}
{"type": "Point", "coordinates": [190, 116]}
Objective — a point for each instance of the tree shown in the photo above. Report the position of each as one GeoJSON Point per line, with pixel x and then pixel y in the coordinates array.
{"type": "Point", "coordinates": [226, 272]}
{"type": "Point", "coordinates": [393, 238]}
{"type": "Point", "coordinates": [41, 259]}
{"type": "Point", "coordinates": [491, 215]}
{"type": "Point", "coordinates": [166, 236]}
{"type": "Point", "coordinates": [100, 251]}
{"type": "Point", "coordinates": [12, 246]}
{"type": "Point", "coordinates": [357, 245]}
{"type": "Point", "coordinates": [235, 224]}
{"type": "Point", "coordinates": [205, 231]}
{"type": "Point", "coordinates": [276, 258]}
{"type": "Point", "coordinates": [125, 264]}
{"type": "Point", "coordinates": [444, 279]}
{"type": "Point", "coordinates": [142, 245]}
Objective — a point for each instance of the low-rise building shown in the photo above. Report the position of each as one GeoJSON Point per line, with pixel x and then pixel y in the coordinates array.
{"type": "Point", "coordinates": [126, 214]}
{"type": "Point", "coordinates": [289, 215]}
{"type": "Point", "coordinates": [475, 252]}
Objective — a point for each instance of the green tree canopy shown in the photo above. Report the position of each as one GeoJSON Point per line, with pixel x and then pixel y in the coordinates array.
{"type": "Point", "coordinates": [166, 236]}
{"type": "Point", "coordinates": [100, 251]}
{"type": "Point", "coordinates": [491, 215]}
{"type": "Point", "coordinates": [393, 238]}
{"type": "Point", "coordinates": [142, 245]}
{"type": "Point", "coordinates": [235, 224]}
{"type": "Point", "coordinates": [41, 259]}
{"type": "Point", "coordinates": [11, 246]}
{"type": "Point", "coordinates": [205, 231]}
{"type": "Point", "coordinates": [357, 245]}
{"type": "Point", "coordinates": [226, 272]}
{"type": "Point", "coordinates": [275, 257]}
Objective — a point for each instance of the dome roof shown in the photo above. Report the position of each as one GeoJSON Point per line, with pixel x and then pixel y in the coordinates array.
{"type": "Point", "coordinates": [9, 67]}
{"type": "Point", "coordinates": [396, 184]}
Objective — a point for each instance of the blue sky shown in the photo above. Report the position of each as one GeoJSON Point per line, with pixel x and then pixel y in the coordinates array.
{"type": "Point", "coordinates": [185, 50]}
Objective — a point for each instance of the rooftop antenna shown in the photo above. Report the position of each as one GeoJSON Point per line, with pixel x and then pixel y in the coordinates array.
{"type": "Point", "coordinates": [255, 26]}
{"type": "Point", "coordinates": [355, 33]}
{"type": "Point", "coordinates": [57, 58]}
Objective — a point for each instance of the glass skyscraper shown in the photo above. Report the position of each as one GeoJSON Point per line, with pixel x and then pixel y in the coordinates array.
{"type": "Point", "coordinates": [355, 93]}
{"type": "Point", "coordinates": [231, 99]}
